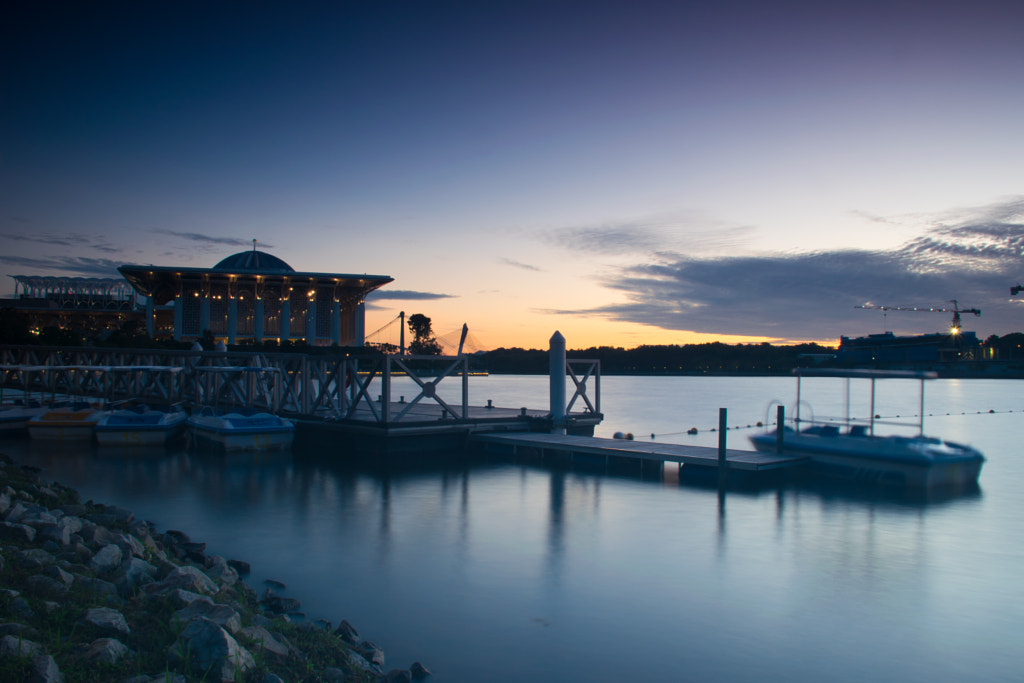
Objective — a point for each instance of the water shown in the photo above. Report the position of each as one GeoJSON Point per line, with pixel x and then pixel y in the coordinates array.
{"type": "Point", "coordinates": [505, 572]}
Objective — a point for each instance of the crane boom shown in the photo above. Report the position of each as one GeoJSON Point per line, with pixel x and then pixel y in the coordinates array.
{"type": "Point", "coordinates": [956, 311]}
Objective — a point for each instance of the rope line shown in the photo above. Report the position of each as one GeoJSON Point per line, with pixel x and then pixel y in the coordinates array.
{"type": "Point", "coordinates": [759, 425]}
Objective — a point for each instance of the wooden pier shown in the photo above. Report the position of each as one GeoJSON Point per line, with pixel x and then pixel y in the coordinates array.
{"type": "Point", "coordinates": [700, 456]}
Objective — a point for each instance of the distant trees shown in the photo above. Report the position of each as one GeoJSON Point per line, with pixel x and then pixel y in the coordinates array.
{"type": "Point", "coordinates": [423, 343]}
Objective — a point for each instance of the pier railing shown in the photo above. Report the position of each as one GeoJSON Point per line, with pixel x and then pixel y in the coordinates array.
{"type": "Point", "coordinates": [330, 386]}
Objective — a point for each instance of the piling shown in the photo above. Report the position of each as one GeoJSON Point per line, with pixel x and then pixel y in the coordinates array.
{"type": "Point", "coordinates": [723, 465]}
{"type": "Point", "coordinates": [780, 421]}
{"type": "Point", "coordinates": [556, 359]}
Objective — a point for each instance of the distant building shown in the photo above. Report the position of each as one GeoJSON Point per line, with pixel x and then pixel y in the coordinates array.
{"type": "Point", "coordinates": [253, 296]}
{"type": "Point", "coordinates": [889, 349]}
{"type": "Point", "coordinates": [86, 304]}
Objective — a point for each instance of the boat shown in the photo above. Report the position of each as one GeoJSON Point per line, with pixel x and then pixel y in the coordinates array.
{"type": "Point", "coordinates": [73, 421]}
{"type": "Point", "coordinates": [14, 416]}
{"type": "Point", "coordinates": [139, 426]}
{"type": "Point", "coordinates": [849, 448]}
{"type": "Point", "coordinates": [241, 430]}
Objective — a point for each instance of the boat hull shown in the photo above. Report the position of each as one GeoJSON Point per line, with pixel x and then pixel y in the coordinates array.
{"type": "Point", "coordinates": [895, 461]}
{"type": "Point", "coordinates": [65, 424]}
{"type": "Point", "coordinates": [237, 432]}
{"type": "Point", "coordinates": [131, 428]}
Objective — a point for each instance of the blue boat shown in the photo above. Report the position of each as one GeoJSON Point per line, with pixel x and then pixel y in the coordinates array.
{"type": "Point", "coordinates": [850, 449]}
{"type": "Point", "coordinates": [139, 426]}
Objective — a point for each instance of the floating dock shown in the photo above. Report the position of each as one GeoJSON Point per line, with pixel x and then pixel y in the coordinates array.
{"type": "Point", "coordinates": [610, 449]}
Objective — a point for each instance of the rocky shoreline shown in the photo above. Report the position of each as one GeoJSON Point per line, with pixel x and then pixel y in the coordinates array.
{"type": "Point", "coordinates": [89, 593]}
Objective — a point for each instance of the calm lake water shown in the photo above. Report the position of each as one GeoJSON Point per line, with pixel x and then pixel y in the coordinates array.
{"type": "Point", "coordinates": [499, 571]}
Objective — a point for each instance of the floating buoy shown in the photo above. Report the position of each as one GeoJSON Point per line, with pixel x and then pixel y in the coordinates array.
{"type": "Point", "coordinates": [652, 435]}
{"type": "Point", "coordinates": [691, 430]}
{"type": "Point", "coordinates": [618, 435]}
{"type": "Point", "coordinates": [991, 411]}
{"type": "Point", "coordinates": [629, 436]}
{"type": "Point", "coordinates": [760, 424]}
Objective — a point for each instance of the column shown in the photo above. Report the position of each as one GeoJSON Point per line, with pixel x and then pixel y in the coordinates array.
{"type": "Point", "coordinates": [286, 315]}
{"type": "Point", "coordinates": [336, 322]}
{"type": "Point", "coordinates": [232, 319]}
{"type": "Point", "coordinates": [311, 319]}
{"type": "Point", "coordinates": [360, 326]}
{"type": "Point", "coordinates": [257, 331]}
{"type": "Point", "coordinates": [179, 316]}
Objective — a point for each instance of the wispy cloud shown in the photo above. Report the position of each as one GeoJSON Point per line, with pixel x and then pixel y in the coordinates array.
{"type": "Point", "coordinates": [692, 232]}
{"type": "Point", "coordinates": [523, 266]}
{"type": "Point", "coordinates": [77, 241]}
{"type": "Point", "coordinates": [210, 240]}
{"type": "Point", "coordinates": [813, 295]}
{"type": "Point", "coordinates": [68, 265]}
{"type": "Point", "coordinates": [406, 295]}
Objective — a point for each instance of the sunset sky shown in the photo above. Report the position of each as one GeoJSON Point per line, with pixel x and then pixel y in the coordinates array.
{"type": "Point", "coordinates": [624, 172]}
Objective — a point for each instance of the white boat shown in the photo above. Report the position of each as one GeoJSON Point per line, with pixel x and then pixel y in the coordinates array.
{"type": "Point", "coordinates": [72, 422]}
{"type": "Point", "coordinates": [849, 448]}
{"type": "Point", "coordinates": [14, 416]}
{"type": "Point", "coordinates": [139, 426]}
{"type": "Point", "coordinates": [242, 430]}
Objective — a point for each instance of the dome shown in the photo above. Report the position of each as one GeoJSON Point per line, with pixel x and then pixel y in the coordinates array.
{"type": "Point", "coordinates": [253, 262]}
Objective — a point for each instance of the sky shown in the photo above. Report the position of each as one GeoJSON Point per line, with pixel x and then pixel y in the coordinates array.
{"type": "Point", "coordinates": [625, 173]}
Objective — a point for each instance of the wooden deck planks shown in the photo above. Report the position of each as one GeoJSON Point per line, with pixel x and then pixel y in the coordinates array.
{"type": "Point", "coordinates": [643, 450]}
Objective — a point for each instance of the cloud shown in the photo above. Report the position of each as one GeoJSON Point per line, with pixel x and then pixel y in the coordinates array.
{"type": "Point", "coordinates": [692, 232]}
{"type": "Point", "coordinates": [517, 264]}
{"type": "Point", "coordinates": [68, 265]}
{"type": "Point", "coordinates": [209, 240]}
{"type": "Point", "coordinates": [406, 295]}
{"type": "Point", "coordinates": [813, 295]}
{"type": "Point", "coordinates": [77, 241]}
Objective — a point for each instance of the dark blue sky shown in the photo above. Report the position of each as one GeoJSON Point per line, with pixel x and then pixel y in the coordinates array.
{"type": "Point", "coordinates": [626, 172]}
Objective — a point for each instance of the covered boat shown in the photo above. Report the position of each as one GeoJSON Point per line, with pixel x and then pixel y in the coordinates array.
{"type": "Point", "coordinates": [849, 448]}
{"type": "Point", "coordinates": [139, 426]}
{"type": "Point", "coordinates": [242, 430]}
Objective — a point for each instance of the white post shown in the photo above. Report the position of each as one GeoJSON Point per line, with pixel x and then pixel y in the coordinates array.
{"type": "Point", "coordinates": [556, 358]}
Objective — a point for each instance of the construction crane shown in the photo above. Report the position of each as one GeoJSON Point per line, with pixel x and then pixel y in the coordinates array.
{"type": "Point", "coordinates": [956, 311]}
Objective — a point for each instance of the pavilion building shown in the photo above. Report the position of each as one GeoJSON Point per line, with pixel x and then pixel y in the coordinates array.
{"type": "Point", "coordinates": [254, 296]}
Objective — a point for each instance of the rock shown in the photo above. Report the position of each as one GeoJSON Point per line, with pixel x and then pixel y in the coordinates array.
{"type": "Point", "coordinates": [263, 641]}
{"type": "Point", "coordinates": [103, 651]}
{"type": "Point", "coordinates": [348, 633]}
{"type": "Point", "coordinates": [102, 588]}
{"type": "Point", "coordinates": [212, 652]}
{"type": "Point", "coordinates": [107, 620]}
{"type": "Point", "coordinates": [14, 646]}
{"type": "Point", "coordinates": [159, 678]}
{"type": "Point", "coordinates": [17, 533]}
{"type": "Point", "coordinates": [46, 587]}
{"type": "Point", "coordinates": [16, 629]}
{"type": "Point", "coordinates": [371, 652]}
{"type": "Point", "coordinates": [55, 572]}
{"type": "Point", "coordinates": [220, 571]}
{"type": "Point", "coordinates": [222, 615]}
{"type": "Point", "coordinates": [397, 676]}
{"type": "Point", "coordinates": [130, 545]}
{"type": "Point", "coordinates": [242, 568]}
{"type": "Point", "coordinates": [187, 578]}
{"type": "Point", "coordinates": [357, 661]}
{"type": "Point", "coordinates": [34, 559]}
{"type": "Point", "coordinates": [332, 675]}
{"type": "Point", "coordinates": [20, 608]}
{"type": "Point", "coordinates": [183, 598]}
{"type": "Point", "coordinates": [279, 605]}
{"type": "Point", "coordinates": [107, 559]}
{"type": "Point", "coordinates": [45, 670]}
{"type": "Point", "coordinates": [134, 573]}
{"type": "Point", "coordinates": [418, 671]}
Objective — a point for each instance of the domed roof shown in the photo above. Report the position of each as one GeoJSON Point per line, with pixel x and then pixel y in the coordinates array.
{"type": "Point", "coordinates": [253, 262]}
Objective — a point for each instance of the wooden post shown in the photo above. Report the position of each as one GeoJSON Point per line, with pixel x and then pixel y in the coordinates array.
{"type": "Point", "coordinates": [780, 422]}
{"type": "Point", "coordinates": [723, 465]}
{"type": "Point", "coordinates": [556, 371]}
